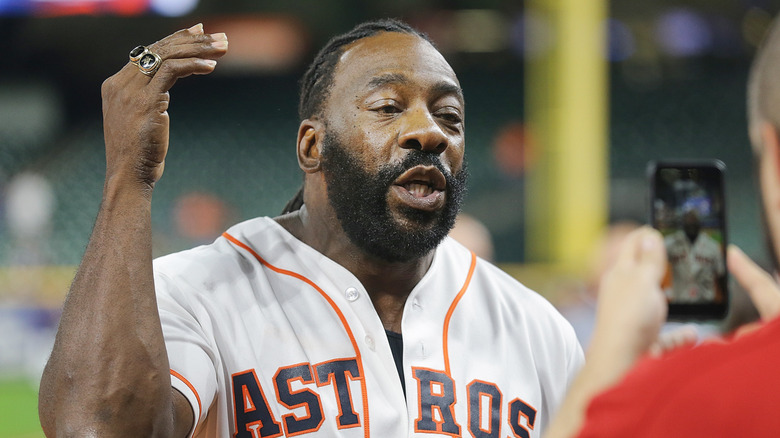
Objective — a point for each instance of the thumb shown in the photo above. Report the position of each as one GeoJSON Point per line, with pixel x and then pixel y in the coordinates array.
{"type": "Point", "coordinates": [759, 285]}
{"type": "Point", "coordinates": [652, 252]}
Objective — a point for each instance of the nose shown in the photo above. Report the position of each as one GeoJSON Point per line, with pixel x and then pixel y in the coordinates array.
{"type": "Point", "coordinates": [420, 131]}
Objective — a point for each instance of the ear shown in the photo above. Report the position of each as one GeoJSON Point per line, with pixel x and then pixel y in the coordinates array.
{"type": "Point", "coordinates": [770, 145]}
{"type": "Point", "coordinates": [310, 135]}
{"type": "Point", "coordinates": [769, 178]}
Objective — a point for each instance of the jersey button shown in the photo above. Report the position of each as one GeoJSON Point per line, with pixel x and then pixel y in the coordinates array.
{"type": "Point", "coordinates": [352, 294]}
{"type": "Point", "coordinates": [370, 343]}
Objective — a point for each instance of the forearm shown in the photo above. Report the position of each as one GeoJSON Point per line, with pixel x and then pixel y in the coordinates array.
{"type": "Point", "coordinates": [108, 373]}
{"type": "Point", "coordinates": [605, 365]}
{"type": "Point", "coordinates": [630, 312]}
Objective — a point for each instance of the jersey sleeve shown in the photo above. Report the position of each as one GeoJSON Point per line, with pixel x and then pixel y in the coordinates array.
{"type": "Point", "coordinates": [189, 351]}
{"type": "Point", "coordinates": [576, 360]}
{"type": "Point", "coordinates": [720, 265]}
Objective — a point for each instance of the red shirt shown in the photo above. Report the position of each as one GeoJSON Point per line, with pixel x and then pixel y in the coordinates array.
{"type": "Point", "coordinates": [719, 389]}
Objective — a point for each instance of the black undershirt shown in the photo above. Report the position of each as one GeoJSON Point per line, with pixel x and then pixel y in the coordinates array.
{"type": "Point", "coordinates": [397, 347]}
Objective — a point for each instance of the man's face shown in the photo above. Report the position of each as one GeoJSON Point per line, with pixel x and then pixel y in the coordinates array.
{"type": "Point", "coordinates": [394, 119]}
{"type": "Point", "coordinates": [691, 225]}
{"type": "Point", "coordinates": [360, 200]}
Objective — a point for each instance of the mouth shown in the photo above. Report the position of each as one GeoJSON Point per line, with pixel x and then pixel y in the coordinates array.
{"type": "Point", "coordinates": [421, 187]}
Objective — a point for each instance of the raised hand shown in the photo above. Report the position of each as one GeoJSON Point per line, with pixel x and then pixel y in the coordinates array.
{"type": "Point", "coordinates": [135, 105]}
{"type": "Point", "coordinates": [631, 306]}
{"type": "Point", "coordinates": [631, 310]}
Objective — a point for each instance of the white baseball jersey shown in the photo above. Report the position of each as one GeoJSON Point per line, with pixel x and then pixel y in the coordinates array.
{"type": "Point", "coordinates": [267, 337]}
{"type": "Point", "coordinates": [695, 267]}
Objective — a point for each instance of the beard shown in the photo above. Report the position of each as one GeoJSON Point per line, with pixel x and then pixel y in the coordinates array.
{"type": "Point", "coordinates": [359, 199]}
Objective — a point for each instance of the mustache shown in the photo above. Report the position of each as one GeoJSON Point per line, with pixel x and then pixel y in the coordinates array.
{"type": "Point", "coordinates": [390, 172]}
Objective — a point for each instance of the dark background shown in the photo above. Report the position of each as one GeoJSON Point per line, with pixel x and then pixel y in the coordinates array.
{"type": "Point", "coordinates": [677, 90]}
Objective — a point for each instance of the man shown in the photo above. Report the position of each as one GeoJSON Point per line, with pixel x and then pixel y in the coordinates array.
{"type": "Point", "coordinates": [696, 262]}
{"type": "Point", "coordinates": [352, 315]}
{"type": "Point", "coordinates": [717, 389]}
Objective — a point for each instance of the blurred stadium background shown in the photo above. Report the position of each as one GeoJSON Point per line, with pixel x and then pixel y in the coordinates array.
{"type": "Point", "coordinates": [674, 75]}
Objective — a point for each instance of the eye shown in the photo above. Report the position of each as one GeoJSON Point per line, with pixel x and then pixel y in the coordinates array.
{"type": "Point", "coordinates": [450, 115]}
{"type": "Point", "coordinates": [385, 106]}
{"type": "Point", "coordinates": [388, 109]}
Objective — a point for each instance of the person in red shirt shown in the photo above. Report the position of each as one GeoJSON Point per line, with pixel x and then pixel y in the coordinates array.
{"type": "Point", "coordinates": [729, 387]}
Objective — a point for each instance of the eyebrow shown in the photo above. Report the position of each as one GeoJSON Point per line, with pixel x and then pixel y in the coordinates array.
{"type": "Point", "coordinates": [442, 87]}
{"type": "Point", "coordinates": [387, 79]}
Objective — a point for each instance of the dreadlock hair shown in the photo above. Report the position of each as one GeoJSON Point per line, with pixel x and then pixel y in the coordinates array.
{"type": "Point", "coordinates": [295, 203]}
{"type": "Point", "coordinates": [316, 82]}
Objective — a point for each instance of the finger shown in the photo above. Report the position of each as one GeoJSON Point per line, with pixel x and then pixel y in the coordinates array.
{"type": "Point", "coordinates": [747, 328]}
{"type": "Point", "coordinates": [192, 34]}
{"type": "Point", "coordinates": [672, 340]}
{"type": "Point", "coordinates": [759, 285]}
{"type": "Point", "coordinates": [644, 246]}
{"type": "Point", "coordinates": [186, 43]}
{"type": "Point", "coordinates": [627, 254]}
{"type": "Point", "coordinates": [652, 252]}
{"type": "Point", "coordinates": [173, 69]}
{"type": "Point", "coordinates": [211, 46]}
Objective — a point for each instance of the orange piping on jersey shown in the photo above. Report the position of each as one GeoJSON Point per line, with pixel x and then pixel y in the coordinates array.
{"type": "Point", "coordinates": [452, 309]}
{"type": "Point", "coordinates": [192, 388]}
{"type": "Point", "coordinates": [366, 429]}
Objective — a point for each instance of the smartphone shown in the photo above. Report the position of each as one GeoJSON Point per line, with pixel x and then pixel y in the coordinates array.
{"type": "Point", "coordinates": [687, 205]}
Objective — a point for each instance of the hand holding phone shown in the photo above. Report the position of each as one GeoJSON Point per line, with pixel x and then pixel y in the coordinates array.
{"type": "Point", "coordinates": [687, 205]}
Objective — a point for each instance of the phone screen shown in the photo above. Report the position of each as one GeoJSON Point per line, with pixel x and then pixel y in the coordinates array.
{"type": "Point", "coordinates": [687, 207]}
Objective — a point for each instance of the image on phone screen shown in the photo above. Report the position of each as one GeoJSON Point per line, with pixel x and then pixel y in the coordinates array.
{"type": "Point", "coordinates": [688, 210]}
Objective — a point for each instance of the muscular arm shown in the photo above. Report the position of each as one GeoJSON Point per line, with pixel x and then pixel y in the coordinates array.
{"type": "Point", "coordinates": [108, 374]}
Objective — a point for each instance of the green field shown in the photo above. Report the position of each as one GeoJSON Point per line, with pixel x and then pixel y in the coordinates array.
{"type": "Point", "coordinates": [19, 410]}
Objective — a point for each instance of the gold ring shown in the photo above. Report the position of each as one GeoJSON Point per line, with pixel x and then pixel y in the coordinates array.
{"type": "Point", "coordinates": [149, 63]}
{"type": "Point", "coordinates": [137, 53]}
